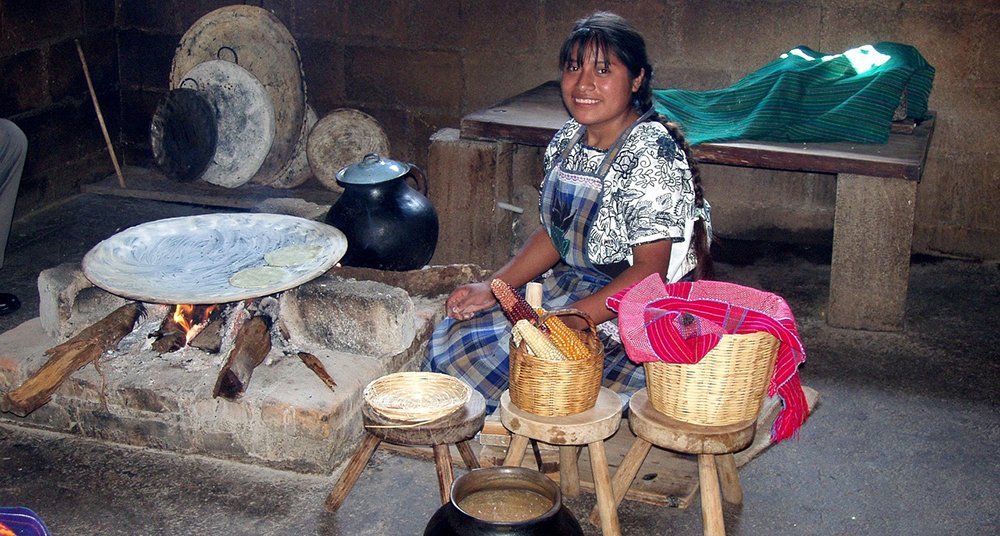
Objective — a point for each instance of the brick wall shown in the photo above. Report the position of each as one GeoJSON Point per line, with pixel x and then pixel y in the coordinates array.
{"type": "Point", "coordinates": [43, 90]}
{"type": "Point", "coordinates": [419, 66]}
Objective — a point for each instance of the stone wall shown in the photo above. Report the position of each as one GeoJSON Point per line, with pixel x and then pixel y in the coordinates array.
{"type": "Point", "coordinates": [419, 66]}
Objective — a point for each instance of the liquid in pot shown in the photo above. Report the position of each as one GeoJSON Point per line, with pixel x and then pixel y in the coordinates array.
{"type": "Point", "coordinates": [505, 505]}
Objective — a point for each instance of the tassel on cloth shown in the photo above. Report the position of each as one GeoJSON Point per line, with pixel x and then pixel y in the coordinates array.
{"type": "Point", "coordinates": [681, 322]}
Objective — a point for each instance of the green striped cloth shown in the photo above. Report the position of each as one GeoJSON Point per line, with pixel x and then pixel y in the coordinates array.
{"type": "Point", "coordinates": [807, 96]}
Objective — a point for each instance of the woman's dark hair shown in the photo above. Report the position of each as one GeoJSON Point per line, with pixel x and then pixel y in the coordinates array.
{"type": "Point", "coordinates": [607, 32]}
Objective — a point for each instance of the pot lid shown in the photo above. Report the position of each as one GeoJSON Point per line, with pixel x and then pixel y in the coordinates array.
{"type": "Point", "coordinates": [245, 120]}
{"type": "Point", "coordinates": [259, 42]}
{"type": "Point", "coordinates": [372, 169]}
{"type": "Point", "coordinates": [183, 134]}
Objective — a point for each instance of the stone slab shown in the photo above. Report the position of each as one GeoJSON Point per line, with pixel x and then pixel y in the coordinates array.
{"type": "Point", "coordinates": [69, 302]}
{"type": "Point", "coordinates": [363, 317]}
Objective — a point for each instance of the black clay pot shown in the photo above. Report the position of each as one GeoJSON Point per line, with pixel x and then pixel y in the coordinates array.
{"type": "Point", "coordinates": [389, 225]}
{"type": "Point", "coordinates": [451, 520]}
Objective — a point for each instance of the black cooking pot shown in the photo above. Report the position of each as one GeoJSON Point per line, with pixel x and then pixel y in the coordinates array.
{"type": "Point", "coordinates": [389, 225]}
{"type": "Point", "coordinates": [452, 519]}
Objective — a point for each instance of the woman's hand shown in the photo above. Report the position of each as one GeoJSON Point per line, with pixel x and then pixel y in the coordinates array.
{"type": "Point", "coordinates": [537, 255]}
{"type": "Point", "coordinates": [467, 300]}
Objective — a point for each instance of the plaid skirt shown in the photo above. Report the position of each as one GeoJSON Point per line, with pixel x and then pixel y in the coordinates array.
{"type": "Point", "coordinates": [477, 351]}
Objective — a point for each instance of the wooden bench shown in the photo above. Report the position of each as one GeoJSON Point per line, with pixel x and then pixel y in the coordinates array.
{"type": "Point", "coordinates": [876, 197]}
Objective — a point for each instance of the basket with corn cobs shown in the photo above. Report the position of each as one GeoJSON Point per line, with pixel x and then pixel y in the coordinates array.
{"type": "Point", "coordinates": [554, 369]}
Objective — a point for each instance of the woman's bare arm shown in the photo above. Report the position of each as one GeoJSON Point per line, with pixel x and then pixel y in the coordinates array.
{"type": "Point", "coordinates": [648, 258]}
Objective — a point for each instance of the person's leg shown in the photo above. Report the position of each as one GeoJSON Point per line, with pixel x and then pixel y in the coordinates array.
{"type": "Point", "coordinates": [13, 148]}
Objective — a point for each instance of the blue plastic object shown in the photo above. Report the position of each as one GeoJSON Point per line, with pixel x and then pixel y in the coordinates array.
{"type": "Point", "coordinates": [22, 522]}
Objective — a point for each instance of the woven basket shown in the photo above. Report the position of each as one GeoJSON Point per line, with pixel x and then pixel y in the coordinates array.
{"type": "Point", "coordinates": [726, 387]}
{"type": "Point", "coordinates": [416, 397]}
{"type": "Point", "coordinates": [549, 388]}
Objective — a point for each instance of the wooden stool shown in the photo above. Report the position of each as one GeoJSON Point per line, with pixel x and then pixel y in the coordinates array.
{"type": "Point", "coordinates": [456, 428]}
{"type": "Point", "coordinates": [589, 428]}
{"type": "Point", "coordinates": [714, 446]}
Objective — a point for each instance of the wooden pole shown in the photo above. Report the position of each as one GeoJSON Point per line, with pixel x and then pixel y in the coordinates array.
{"type": "Point", "coordinates": [100, 117]}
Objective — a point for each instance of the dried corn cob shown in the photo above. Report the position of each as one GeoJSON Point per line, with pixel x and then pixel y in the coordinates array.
{"type": "Point", "coordinates": [539, 344]}
{"type": "Point", "coordinates": [513, 305]}
{"type": "Point", "coordinates": [565, 339]}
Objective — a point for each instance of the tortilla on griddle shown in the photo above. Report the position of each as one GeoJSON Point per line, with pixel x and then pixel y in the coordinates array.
{"type": "Point", "coordinates": [292, 255]}
{"type": "Point", "coordinates": [258, 277]}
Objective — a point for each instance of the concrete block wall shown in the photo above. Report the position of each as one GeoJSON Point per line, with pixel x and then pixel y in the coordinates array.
{"type": "Point", "coordinates": [418, 66]}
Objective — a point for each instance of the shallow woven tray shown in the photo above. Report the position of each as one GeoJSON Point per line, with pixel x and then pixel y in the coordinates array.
{"type": "Point", "coordinates": [416, 396]}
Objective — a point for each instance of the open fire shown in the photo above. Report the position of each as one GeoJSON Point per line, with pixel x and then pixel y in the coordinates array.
{"type": "Point", "coordinates": [191, 319]}
{"type": "Point", "coordinates": [184, 325]}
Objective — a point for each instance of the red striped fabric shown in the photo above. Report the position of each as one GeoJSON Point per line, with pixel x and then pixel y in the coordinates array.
{"type": "Point", "coordinates": [681, 322]}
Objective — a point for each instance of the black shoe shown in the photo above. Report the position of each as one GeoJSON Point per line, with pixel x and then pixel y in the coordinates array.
{"type": "Point", "coordinates": [8, 303]}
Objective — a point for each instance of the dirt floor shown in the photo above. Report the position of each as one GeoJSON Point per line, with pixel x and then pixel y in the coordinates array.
{"type": "Point", "coordinates": [899, 443]}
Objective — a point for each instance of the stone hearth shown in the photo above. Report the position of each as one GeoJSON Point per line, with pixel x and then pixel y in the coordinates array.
{"type": "Point", "coordinates": [359, 323]}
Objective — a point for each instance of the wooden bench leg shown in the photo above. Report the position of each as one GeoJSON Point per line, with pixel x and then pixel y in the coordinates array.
{"type": "Point", "coordinates": [729, 477]}
{"type": "Point", "coordinates": [515, 452]}
{"type": "Point", "coordinates": [872, 237]}
{"type": "Point", "coordinates": [468, 456]}
{"type": "Point", "coordinates": [602, 485]}
{"type": "Point", "coordinates": [569, 470]}
{"type": "Point", "coordinates": [627, 469]}
{"type": "Point", "coordinates": [711, 503]}
{"type": "Point", "coordinates": [445, 474]}
{"type": "Point", "coordinates": [352, 472]}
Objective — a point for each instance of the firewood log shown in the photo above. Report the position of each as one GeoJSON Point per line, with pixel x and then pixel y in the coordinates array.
{"type": "Point", "coordinates": [316, 366]}
{"type": "Point", "coordinates": [69, 357]}
{"type": "Point", "coordinates": [170, 337]}
{"type": "Point", "coordinates": [250, 346]}
{"type": "Point", "coordinates": [210, 338]}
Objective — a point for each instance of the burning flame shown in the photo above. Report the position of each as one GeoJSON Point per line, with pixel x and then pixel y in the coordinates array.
{"type": "Point", "coordinates": [191, 319]}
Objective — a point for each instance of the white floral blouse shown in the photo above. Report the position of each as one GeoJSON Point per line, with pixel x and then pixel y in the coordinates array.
{"type": "Point", "coordinates": [648, 195]}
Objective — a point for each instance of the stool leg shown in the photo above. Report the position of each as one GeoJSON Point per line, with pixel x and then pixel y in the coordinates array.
{"type": "Point", "coordinates": [352, 472]}
{"type": "Point", "coordinates": [711, 503]}
{"type": "Point", "coordinates": [442, 460]}
{"type": "Point", "coordinates": [468, 456]}
{"type": "Point", "coordinates": [602, 485]}
{"type": "Point", "coordinates": [626, 472]}
{"type": "Point", "coordinates": [729, 476]}
{"type": "Point", "coordinates": [515, 452]}
{"type": "Point", "coordinates": [535, 453]}
{"type": "Point", "coordinates": [569, 470]}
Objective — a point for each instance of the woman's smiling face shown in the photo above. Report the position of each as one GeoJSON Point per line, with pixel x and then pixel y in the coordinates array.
{"type": "Point", "coordinates": [597, 89]}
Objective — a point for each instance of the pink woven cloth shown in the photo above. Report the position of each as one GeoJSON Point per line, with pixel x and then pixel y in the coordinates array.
{"type": "Point", "coordinates": [681, 322]}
